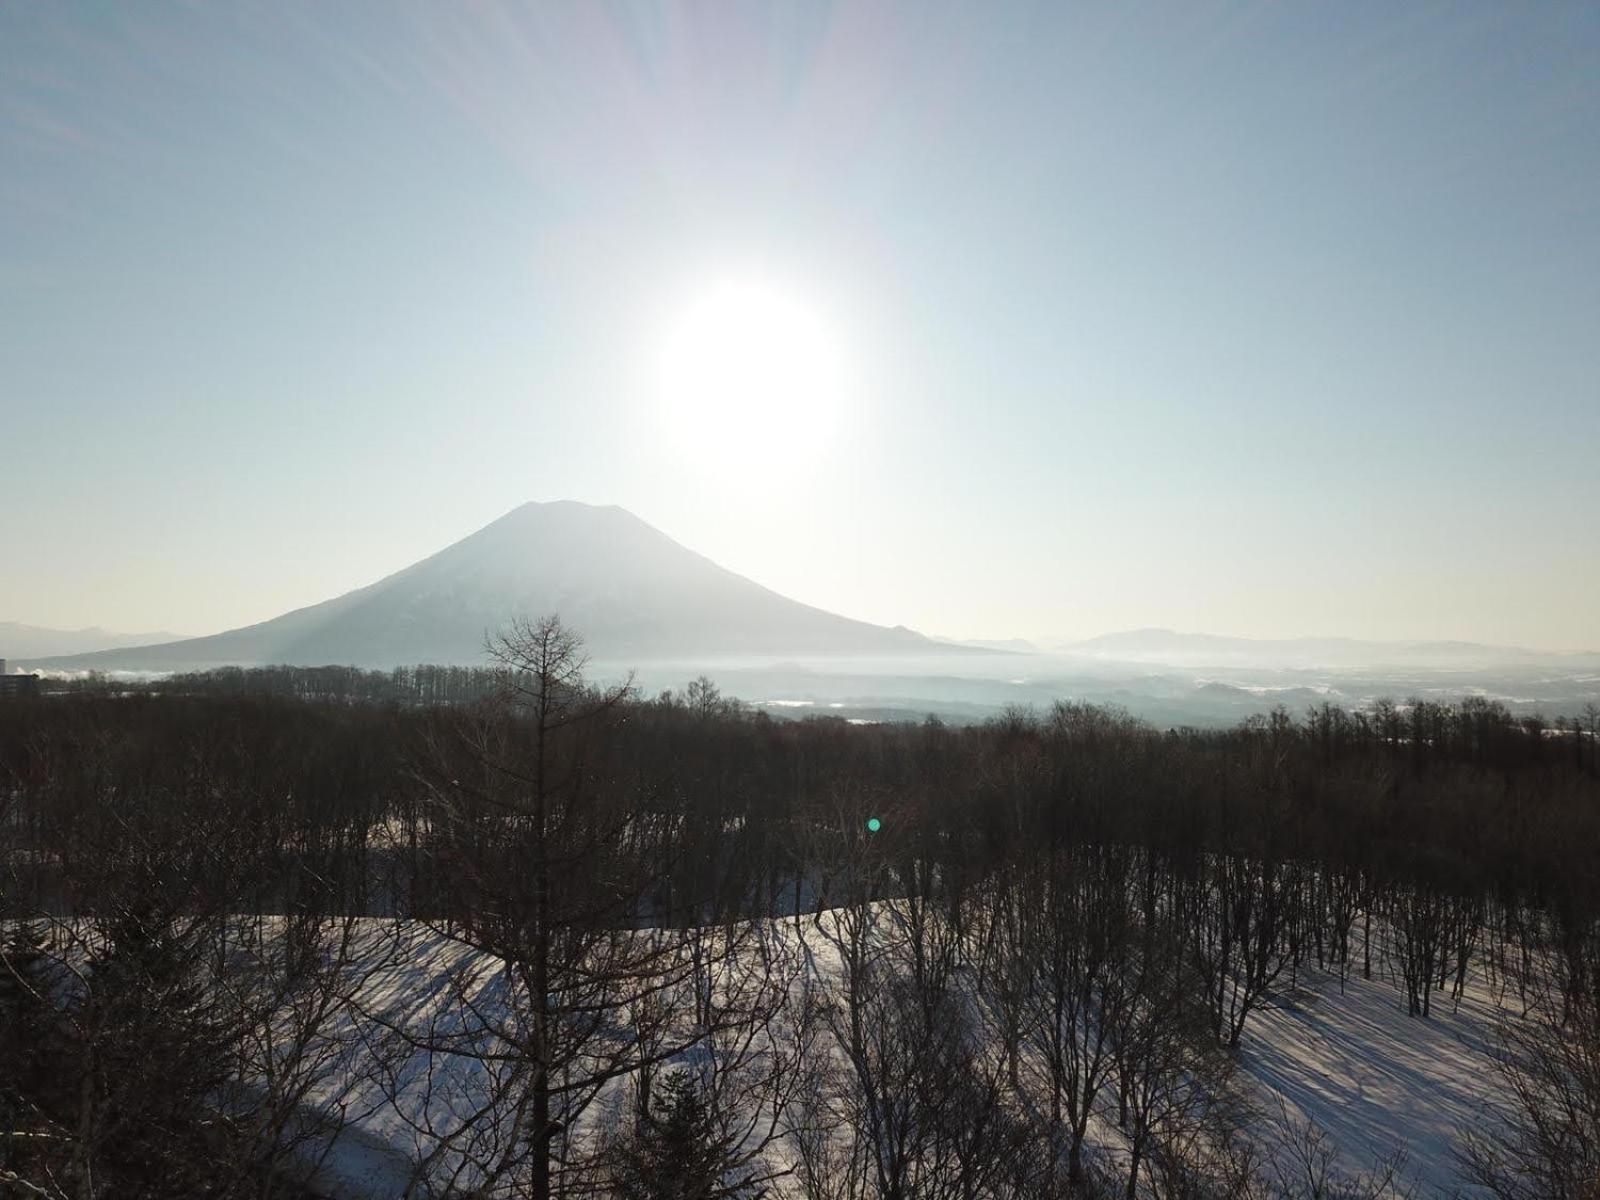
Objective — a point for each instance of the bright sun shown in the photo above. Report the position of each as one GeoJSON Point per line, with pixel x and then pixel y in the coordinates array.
{"type": "Point", "coordinates": [750, 379]}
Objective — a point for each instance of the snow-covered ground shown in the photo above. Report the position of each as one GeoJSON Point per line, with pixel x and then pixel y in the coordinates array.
{"type": "Point", "coordinates": [1348, 1058]}
{"type": "Point", "coordinates": [1376, 1081]}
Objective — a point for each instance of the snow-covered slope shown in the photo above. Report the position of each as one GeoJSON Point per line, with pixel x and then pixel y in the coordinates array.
{"type": "Point", "coordinates": [1376, 1082]}
{"type": "Point", "coordinates": [1342, 1059]}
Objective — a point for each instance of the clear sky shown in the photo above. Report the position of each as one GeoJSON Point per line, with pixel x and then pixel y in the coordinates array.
{"type": "Point", "coordinates": [1257, 319]}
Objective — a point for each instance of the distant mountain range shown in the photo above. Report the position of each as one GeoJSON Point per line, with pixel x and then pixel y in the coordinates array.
{"type": "Point", "coordinates": [639, 599]}
{"type": "Point", "coordinates": [633, 594]}
{"type": "Point", "coordinates": [1169, 648]}
{"type": "Point", "coordinates": [996, 645]}
{"type": "Point", "coordinates": [18, 641]}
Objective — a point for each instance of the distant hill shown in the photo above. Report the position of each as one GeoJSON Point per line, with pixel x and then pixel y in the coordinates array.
{"type": "Point", "coordinates": [633, 593]}
{"type": "Point", "coordinates": [995, 645]}
{"type": "Point", "coordinates": [18, 641]}
{"type": "Point", "coordinates": [1204, 649]}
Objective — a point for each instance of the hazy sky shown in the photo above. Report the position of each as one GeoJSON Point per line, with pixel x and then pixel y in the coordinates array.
{"type": "Point", "coordinates": [1254, 319]}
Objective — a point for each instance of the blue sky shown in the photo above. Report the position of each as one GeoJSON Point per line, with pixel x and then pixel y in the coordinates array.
{"type": "Point", "coordinates": [1265, 320]}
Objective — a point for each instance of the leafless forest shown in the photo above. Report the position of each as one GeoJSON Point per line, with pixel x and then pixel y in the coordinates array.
{"type": "Point", "coordinates": [651, 947]}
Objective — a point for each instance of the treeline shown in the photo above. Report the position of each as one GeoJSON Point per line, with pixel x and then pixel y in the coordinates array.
{"type": "Point", "coordinates": [1058, 918]}
{"type": "Point", "coordinates": [421, 685]}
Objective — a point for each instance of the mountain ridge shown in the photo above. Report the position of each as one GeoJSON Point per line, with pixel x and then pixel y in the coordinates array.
{"type": "Point", "coordinates": [18, 639]}
{"type": "Point", "coordinates": [1166, 645]}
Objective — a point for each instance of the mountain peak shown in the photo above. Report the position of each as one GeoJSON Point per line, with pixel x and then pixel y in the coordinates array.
{"type": "Point", "coordinates": [566, 506]}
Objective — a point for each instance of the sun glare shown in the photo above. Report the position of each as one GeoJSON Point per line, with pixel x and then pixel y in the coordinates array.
{"type": "Point", "coordinates": [750, 378]}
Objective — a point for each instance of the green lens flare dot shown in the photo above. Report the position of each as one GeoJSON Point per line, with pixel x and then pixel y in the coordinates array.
{"type": "Point", "coordinates": [873, 824]}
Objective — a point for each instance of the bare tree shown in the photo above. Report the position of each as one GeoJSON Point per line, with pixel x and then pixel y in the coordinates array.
{"type": "Point", "coordinates": [1172, 1080]}
{"type": "Point", "coordinates": [565, 978]}
{"type": "Point", "coordinates": [1546, 1141]}
{"type": "Point", "coordinates": [1087, 971]}
{"type": "Point", "coordinates": [1305, 1165]}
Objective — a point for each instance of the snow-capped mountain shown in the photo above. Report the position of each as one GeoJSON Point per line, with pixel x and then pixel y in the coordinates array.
{"type": "Point", "coordinates": [631, 592]}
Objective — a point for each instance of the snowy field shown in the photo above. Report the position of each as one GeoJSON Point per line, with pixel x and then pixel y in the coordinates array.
{"type": "Point", "coordinates": [1376, 1082]}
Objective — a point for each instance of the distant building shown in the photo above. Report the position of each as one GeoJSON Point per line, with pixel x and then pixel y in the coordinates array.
{"type": "Point", "coordinates": [17, 685]}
